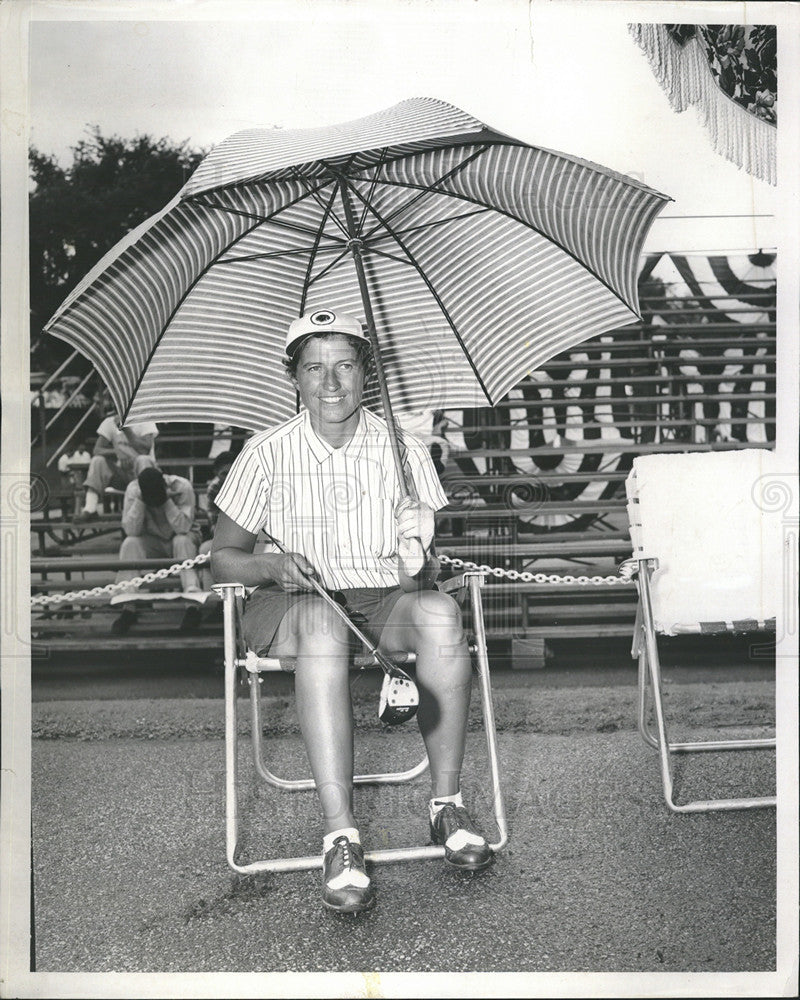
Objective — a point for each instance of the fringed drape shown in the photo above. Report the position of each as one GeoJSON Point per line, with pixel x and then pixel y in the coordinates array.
{"type": "Point", "coordinates": [684, 73]}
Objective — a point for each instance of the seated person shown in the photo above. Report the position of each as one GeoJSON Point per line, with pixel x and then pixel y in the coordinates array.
{"type": "Point", "coordinates": [74, 464]}
{"type": "Point", "coordinates": [79, 458]}
{"type": "Point", "coordinates": [158, 521]}
{"type": "Point", "coordinates": [325, 485]}
{"type": "Point", "coordinates": [120, 454]}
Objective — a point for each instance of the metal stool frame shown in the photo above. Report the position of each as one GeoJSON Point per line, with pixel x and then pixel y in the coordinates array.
{"type": "Point", "coordinates": [239, 662]}
{"type": "Point", "coordinates": [645, 647]}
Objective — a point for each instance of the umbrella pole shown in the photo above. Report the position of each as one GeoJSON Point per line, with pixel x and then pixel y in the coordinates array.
{"type": "Point", "coordinates": [355, 245]}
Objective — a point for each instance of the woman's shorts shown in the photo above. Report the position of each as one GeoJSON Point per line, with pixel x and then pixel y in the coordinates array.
{"type": "Point", "coordinates": [368, 607]}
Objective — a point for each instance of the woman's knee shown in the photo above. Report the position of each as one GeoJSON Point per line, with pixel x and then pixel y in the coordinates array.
{"type": "Point", "coordinates": [318, 628]}
{"type": "Point", "coordinates": [431, 609]}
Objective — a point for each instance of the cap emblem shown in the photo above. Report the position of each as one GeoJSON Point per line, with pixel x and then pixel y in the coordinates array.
{"type": "Point", "coordinates": [322, 318]}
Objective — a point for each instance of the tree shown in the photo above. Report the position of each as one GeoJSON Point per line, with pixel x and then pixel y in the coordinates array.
{"type": "Point", "coordinates": [78, 213]}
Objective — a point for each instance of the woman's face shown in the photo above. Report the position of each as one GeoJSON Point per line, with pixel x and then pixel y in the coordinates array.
{"type": "Point", "coordinates": [330, 381]}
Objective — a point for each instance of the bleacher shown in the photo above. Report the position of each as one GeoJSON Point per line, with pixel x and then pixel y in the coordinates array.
{"type": "Point", "coordinates": [536, 483]}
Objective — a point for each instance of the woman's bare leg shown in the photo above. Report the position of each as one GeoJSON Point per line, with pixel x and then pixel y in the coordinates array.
{"type": "Point", "coordinates": [319, 639]}
{"type": "Point", "coordinates": [429, 623]}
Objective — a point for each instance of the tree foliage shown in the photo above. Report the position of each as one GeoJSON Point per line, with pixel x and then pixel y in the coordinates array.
{"type": "Point", "coordinates": [79, 212]}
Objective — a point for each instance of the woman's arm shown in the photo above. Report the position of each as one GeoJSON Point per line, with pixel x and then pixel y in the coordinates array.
{"type": "Point", "coordinates": [140, 443]}
{"type": "Point", "coordinates": [105, 449]}
{"type": "Point", "coordinates": [233, 560]}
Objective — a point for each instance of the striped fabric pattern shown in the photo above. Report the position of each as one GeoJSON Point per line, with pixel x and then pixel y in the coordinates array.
{"type": "Point", "coordinates": [334, 505]}
{"type": "Point", "coordinates": [484, 257]}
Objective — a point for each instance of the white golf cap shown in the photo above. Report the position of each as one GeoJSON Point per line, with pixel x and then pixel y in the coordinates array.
{"type": "Point", "coordinates": [323, 321]}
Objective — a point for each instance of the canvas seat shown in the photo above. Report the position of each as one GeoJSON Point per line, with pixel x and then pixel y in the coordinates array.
{"type": "Point", "coordinates": [242, 665]}
{"type": "Point", "coordinates": [708, 560]}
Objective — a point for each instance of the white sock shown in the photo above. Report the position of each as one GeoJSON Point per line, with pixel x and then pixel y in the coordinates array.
{"type": "Point", "coordinates": [90, 503]}
{"type": "Point", "coordinates": [439, 801]}
{"type": "Point", "coordinates": [461, 838]}
{"type": "Point", "coordinates": [350, 832]}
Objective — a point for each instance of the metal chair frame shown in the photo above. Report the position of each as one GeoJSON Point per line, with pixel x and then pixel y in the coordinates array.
{"type": "Point", "coordinates": [645, 647]}
{"type": "Point", "coordinates": [245, 664]}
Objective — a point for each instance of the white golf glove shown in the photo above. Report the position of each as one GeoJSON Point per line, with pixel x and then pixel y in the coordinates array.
{"type": "Point", "coordinates": [415, 527]}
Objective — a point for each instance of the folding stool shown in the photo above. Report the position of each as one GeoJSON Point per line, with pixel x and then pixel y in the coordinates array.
{"type": "Point", "coordinates": [243, 664]}
{"type": "Point", "coordinates": [708, 561]}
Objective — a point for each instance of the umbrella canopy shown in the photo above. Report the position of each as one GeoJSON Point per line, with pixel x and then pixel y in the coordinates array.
{"type": "Point", "coordinates": [481, 257]}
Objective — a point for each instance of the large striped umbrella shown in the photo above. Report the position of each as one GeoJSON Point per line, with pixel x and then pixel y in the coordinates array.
{"type": "Point", "coordinates": [474, 258]}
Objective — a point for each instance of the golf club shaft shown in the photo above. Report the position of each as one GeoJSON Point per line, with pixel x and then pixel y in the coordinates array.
{"type": "Point", "coordinates": [383, 663]}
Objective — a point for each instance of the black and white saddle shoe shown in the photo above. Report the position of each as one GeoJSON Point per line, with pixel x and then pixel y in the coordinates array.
{"type": "Point", "coordinates": [464, 847]}
{"type": "Point", "coordinates": [346, 887]}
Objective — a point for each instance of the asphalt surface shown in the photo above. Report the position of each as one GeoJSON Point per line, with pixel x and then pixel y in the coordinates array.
{"type": "Point", "coordinates": [129, 858]}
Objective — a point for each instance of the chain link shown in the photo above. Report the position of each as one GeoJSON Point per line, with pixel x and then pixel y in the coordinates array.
{"type": "Point", "coordinates": [42, 600]}
{"type": "Point", "coordinates": [526, 577]}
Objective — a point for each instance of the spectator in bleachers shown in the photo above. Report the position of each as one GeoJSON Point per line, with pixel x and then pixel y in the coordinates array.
{"type": "Point", "coordinates": [120, 454]}
{"type": "Point", "coordinates": [79, 458]}
{"type": "Point", "coordinates": [158, 521]}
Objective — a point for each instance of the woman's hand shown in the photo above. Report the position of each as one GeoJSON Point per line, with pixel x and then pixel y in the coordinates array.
{"type": "Point", "coordinates": [415, 520]}
{"type": "Point", "coordinates": [234, 561]}
{"type": "Point", "coordinates": [415, 527]}
{"type": "Point", "coordinates": [291, 571]}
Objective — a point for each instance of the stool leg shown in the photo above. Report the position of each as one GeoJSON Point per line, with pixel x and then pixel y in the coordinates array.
{"type": "Point", "coordinates": [665, 748]}
{"type": "Point", "coordinates": [231, 764]}
{"type": "Point", "coordinates": [475, 584]}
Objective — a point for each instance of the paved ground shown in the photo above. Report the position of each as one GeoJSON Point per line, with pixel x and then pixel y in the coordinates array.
{"type": "Point", "coordinates": [129, 869]}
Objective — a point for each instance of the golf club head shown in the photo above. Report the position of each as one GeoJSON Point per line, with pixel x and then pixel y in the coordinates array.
{"type": "Point", "coordinates": [399, 698]}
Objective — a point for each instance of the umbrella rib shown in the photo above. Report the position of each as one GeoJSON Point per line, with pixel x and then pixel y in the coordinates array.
{"type": "Point", "coordinates": [429, 285]}
{"type": "Point", "coordinates": [182, 298]}
{"type": "Point", "coordinates": [430, 225]}
{"type": "Point", "coordinates": [372, 186]}
{"type": "Point", "coordinates": [430, 189]}
{"type": "Point", "coordinates": [522, 222]}
{"type": "Point", "coordinates": [329, 267]}
{"type": "Point", "coordinates": [387, 255]}
{"type": "Point", "coordinates": [257, 219]}
{"type": "Point", "coordinates": [267, 218]}
{"type": "Point", "coordinates": [314, 194]}
{"type": "Point", "coordinates": [308, 280]}
{"type": "Point", "coordinates": [199, 200]}
{"type": "Point", "coordinates": [264, 256]}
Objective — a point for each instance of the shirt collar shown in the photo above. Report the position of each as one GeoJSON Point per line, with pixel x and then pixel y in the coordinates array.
{"type": "Point", "coordinates": [321, 449]}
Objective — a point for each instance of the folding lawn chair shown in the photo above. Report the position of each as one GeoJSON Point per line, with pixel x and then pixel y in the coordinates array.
{"type": "Point", "coordinates": [243, 664]}
{"type": "Point", "coordinates": [708, 562]}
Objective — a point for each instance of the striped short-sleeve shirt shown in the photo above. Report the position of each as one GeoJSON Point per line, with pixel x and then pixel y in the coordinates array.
{"type": "Point", "coordinates": [333, 505]}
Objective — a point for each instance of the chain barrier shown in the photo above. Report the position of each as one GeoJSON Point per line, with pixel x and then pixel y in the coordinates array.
{"type": "Point", "coordinates": [625, 575]}
{"type": "Point", "coordinates": [526, 577]}
{"type": "Point", "coordinates": [113, 588]}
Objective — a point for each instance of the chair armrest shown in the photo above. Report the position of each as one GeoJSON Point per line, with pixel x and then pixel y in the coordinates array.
{"type": "Point", "coordinates": [220, 588]}
{"type": "Point", "coordinates": [453, 584]}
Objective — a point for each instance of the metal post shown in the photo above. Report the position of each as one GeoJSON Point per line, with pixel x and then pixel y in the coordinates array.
{"type": "Point", "coordinates": [475, 584]}
{"type": "Point", "coordinates": [228, 594]}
